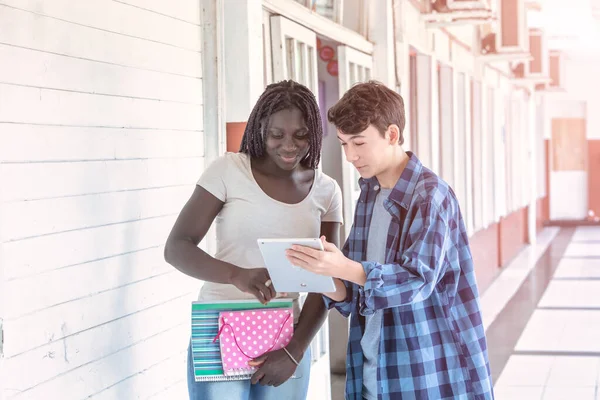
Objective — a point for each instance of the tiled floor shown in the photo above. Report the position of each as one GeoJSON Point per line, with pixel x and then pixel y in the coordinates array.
{"type": "Point", "coordinates": [557, 352]}
{"type": "Point", "coordinates": [504, 287]}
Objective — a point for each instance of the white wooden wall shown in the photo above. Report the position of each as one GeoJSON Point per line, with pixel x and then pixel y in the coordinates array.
{"type": "Point", "coordinates": [101, 142]}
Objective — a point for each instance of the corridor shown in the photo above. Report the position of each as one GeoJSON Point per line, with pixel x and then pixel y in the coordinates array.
{"type": "Point", "coordinates": [545, 342]}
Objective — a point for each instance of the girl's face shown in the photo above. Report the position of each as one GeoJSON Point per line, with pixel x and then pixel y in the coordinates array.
{"type": "Point", "coordinates": [287, 138]}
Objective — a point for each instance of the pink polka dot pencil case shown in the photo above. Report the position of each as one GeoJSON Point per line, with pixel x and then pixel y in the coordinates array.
{"type": "Point", "coordinates": [245, 335]}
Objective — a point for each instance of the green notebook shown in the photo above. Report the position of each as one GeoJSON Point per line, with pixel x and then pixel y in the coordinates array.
{"type": "Point", "coordinates": [206, 355]}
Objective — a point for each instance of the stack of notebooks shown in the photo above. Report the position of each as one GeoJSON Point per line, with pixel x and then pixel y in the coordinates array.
{"type": "Point", "coordinates": [206, 351]}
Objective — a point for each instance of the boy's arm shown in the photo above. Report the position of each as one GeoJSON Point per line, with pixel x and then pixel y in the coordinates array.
{"type": "Point", "coordinates": [381, 286]}
{"type": "Point", "coordinates": [342, 298]}
{"type": "Point", "coordinates": [414, 278]}
{"type": "Point", "coordinates": [340, 291]}
{"type": "Point", "coordinates": [345, 292]}
{"type": "Point", "coordinates": [313, 313]}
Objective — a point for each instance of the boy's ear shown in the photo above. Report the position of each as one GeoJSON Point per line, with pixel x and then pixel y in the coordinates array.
{"type": "Point", "coordinates": [393, 133]}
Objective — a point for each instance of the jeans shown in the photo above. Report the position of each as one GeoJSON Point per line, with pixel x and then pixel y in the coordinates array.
{"type": "Point", "coordinates": [293, 389]}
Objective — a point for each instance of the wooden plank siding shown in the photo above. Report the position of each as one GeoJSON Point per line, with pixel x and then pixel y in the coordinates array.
{"type": "Point", "coordinates": [101, 142]}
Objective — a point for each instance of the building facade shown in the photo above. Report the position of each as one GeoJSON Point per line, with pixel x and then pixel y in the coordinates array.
{"type": "Point", "coordinates": [110, 109]}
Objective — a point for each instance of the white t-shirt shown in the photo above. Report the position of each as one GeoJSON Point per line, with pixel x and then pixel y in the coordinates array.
{"type": "Point", "coordinates": [249, 214]}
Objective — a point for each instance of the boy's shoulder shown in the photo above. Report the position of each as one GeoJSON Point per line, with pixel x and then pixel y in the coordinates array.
{"type": "Point", "coordinates": [430, 188]}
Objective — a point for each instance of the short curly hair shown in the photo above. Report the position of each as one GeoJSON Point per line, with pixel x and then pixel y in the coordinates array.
{"type": "Point", "coordinates": [369, 103]}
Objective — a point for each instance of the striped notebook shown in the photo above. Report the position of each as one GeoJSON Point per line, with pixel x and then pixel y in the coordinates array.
{"type": "Point", "coordinates": [206, 355]}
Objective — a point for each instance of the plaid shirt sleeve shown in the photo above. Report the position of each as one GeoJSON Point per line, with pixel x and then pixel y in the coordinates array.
{"type": "Point", "coordinates": [345, 307]}
{"type": "Point", "coordinates": [422, 264]}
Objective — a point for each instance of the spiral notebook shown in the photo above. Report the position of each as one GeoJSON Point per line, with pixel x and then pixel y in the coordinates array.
{"type": "Point", "coordinates": [206, 352]}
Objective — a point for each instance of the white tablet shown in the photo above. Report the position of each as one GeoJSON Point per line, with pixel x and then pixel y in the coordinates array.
{"type": "Point", "coordinates": [288, 278]}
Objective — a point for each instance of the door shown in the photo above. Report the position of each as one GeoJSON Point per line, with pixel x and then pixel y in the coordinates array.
{"type": "Point", "coordinates": [569, 191]}
{"type": "Point", "coordinates": [353, 67]}
{"type": "Point", "coordinates": [294, 56]}
{"type": "Point", "coordinates": [2, 300]}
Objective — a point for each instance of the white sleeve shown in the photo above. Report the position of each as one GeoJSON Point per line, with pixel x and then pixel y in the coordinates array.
{"type": "Point", "coordinates": [334, 212]}
{"type": "Point", "coordinates": [213, 178]}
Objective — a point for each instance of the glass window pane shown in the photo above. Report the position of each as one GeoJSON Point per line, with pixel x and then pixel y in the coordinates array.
{"type": "Point", "coordinates": [290, 47]}
{"type": "Point", "coordinates": [324, 8]}
{"type": "Point", "coordinates": [310, 68]}
{"type": "Point", "coordinates": [353, 74]}
{"type": "Point", "coordinates": [300, 63]}
{"type": "Point", "coordinates": [354, 15]}
{"type": "Point", "coordinates": [359, 74]}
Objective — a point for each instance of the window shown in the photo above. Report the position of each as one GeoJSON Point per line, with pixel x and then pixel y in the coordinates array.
{"type": "Point", "coordinates": [293, 52]}
{"type": "Point", "coordinates": [355, 15]}
{"type": "Point", "coordinates": [352, 14]}
{"type": "Point", "coordinates": [330, 9]}
{"type": "Point", "coordinates": [325, 8]}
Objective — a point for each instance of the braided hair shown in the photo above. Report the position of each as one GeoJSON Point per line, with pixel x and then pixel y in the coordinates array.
{"type": "Point", "coordinates": [282, 96]}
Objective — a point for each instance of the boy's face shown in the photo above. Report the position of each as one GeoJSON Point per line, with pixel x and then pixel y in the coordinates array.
{"type": "Point", "coordinates": [369, 151]}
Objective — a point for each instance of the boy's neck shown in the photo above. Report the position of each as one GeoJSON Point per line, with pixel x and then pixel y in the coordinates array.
{"type": "Point", "coordinates": [387, 179]}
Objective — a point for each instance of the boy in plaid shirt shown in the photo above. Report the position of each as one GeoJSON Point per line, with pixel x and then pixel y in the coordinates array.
{"type": "Point", "coordinates": [405, 275]}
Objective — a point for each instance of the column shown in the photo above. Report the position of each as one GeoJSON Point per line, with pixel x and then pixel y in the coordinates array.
{"type": "Point", "coordinates": [243, 63]}
{"type": "Point", "coordinates": [533, 159]}
{"type": "Point", "coordinates": [381, 34]}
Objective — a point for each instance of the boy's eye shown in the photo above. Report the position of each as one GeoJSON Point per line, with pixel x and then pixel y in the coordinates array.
{"type": "Point", "coordinates": [358, 144]}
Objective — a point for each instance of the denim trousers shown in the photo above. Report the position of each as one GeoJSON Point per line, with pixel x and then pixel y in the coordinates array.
{"type": "Point", "coordinates": [293, 389]}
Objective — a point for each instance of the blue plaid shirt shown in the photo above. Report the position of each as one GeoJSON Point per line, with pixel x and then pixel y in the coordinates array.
{"type": "Point", "coordinates": [432, 341]}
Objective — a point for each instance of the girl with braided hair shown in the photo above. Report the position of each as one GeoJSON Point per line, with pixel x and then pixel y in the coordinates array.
{"type": "Point", "coordinates": [271, 188]}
